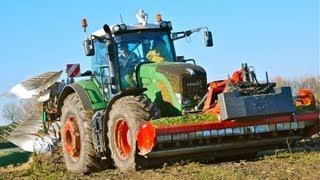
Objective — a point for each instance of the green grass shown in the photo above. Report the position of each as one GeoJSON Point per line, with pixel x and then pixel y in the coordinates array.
{"type": "Point", "coordinates": [2, 129]}
{"type": "Point", "coordinates": [306, 109]}
{"type": "Point", "coordinates": [13, 157]}
{"type": "Point", "coordinates": [281, 166]}
{"type": "Point", "coordinates": [3, 143]}
{"type": "Point", "coordinates": [183, 120]}
{"type": "Point", "coordinates": [6, 144]}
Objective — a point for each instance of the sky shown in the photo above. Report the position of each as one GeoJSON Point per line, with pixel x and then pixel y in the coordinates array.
{"type": "Point", "coordinates": [278, 36]}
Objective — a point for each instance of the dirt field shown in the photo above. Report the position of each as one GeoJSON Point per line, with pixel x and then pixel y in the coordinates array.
{"type": "Point", "coordinates": [304, 164]}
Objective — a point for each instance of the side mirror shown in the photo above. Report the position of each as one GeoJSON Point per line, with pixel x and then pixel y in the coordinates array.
{"type": "Point", "coordinates": [208, 38]}
{"type": "Point", "coordinates": [88, 47]}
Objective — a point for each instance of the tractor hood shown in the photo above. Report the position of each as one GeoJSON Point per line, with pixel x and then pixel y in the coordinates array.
{"type": "Point", "coordinates": [178, 84]}
{"type": "Point", "coordinates": [184, 78]}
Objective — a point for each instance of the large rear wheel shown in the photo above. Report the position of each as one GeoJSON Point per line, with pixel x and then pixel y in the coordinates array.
{"type": "Point", "coordinates": [125, 118]}
{"type": "Point", "coordinates": [76, 135]}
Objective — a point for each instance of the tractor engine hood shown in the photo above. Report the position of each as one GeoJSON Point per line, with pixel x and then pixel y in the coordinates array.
{"type": "Point", "coordinates": [186, 79]}
{"type": "Point", "coordinates": [180, 84]}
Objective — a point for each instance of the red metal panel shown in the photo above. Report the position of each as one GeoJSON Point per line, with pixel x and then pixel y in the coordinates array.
{"type": "Point", "coordinates": [147, 133]}
{"type": "Point", "coordinates": [307, 117]}
{"type": "Point", "coordinates": [233, 123]}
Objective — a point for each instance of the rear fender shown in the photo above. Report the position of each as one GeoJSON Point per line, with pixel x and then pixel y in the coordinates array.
{"type": "Point", "coordinates": [90, 96]}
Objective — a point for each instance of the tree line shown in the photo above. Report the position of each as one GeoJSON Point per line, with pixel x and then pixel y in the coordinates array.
{"type": "Point", "coordinates": [307, 82]}
{"type": "Point", "coordinates": [13, 112]}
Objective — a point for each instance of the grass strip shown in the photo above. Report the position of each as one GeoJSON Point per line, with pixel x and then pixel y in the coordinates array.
{"type": "Point", "coordinates": [13, 158]}
{"type": "Point", "coordinates": [184, 120]}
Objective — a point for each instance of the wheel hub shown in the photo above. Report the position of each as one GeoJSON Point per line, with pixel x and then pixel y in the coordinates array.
{"type": "Point", "coordinates": [71, 138]}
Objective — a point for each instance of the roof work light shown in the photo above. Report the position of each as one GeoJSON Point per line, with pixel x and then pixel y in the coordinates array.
{"type": "Point", "coordinates": [158, 18]}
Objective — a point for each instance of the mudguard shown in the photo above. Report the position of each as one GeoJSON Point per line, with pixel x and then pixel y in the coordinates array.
{"type": "Point", "coordinates": [91, 97]}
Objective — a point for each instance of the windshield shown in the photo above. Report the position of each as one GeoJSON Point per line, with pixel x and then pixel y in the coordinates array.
{"type": "Point", "coordinates": [141, 43]}
{"type": "Point", "coordinates": [138, 47]}
{"type": "Point", "coordinates": [133, 48]}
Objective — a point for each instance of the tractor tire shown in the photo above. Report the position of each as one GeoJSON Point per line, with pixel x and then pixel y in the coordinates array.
{"type": "Point", "coordinates": [76, 137]}
{"type": "Point", "coordinates": [125, 118]}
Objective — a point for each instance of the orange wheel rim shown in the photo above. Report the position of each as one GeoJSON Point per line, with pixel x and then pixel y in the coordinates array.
{"type": "Point", "coordinates": [71, 138]}
{"type": "Point", "coordinates": [122, 138]}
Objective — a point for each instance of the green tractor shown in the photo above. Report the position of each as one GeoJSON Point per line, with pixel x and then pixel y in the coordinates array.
{"type": "Point", "coordinates": [101, 116]}
{"type": "Point", "coordinates": [119, 114]}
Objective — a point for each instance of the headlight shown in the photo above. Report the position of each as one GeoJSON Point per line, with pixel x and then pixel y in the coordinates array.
{"type": "Point", "coordinates": [163, 24]}
{"type": "Point", "coordinates": [123, 27]}
{"type": "Point", "coordinates": [166, 25]}
{"type": "Point", "coordinates": [116, 28]}
{"type": "Point", "coordinates": [182, 100]}
{"type": "Point", "coordinates": [186, 101]}
{"type": "Point", "coordinates": [119, 27]}
{"type": "Point", "coordinates": [106, 90]}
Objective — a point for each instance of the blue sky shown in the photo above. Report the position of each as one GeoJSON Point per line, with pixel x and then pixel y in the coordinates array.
{"type": "Point", "coordinates": [278, 36]}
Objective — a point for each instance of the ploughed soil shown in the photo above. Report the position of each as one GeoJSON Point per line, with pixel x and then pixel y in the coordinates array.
{"type": "Point", "coordinates": [299, 162]}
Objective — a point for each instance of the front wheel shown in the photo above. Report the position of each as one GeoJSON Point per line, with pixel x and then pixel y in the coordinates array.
{"type": "Point", "coordinates": [126, 116]}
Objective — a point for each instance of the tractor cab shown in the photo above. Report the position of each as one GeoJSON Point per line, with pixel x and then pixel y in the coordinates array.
{"type": "Point", "coordinates": [137, 47]}
{"type": "Point", "coordinates": [118, 52]}
{"type": "Point", "coordinates": [129, 47]}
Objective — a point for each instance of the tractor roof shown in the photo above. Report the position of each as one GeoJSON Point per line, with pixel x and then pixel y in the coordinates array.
{"type": "Point", "coordinates": [137, 26]}
{"type": "Point", "coordinates": [142, 24]}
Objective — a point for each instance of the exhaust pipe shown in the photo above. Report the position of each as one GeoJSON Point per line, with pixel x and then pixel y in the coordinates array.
{"type": "Point", "coordinates": [112, 57]}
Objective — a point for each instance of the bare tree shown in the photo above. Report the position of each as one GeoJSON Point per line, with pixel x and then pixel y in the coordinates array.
{"type": "Point", "coordinates": [9, 111]}
{"type": "Point", "coordinates": [308, 82]}
{"type": "Point", "coordinates": [28, 109]}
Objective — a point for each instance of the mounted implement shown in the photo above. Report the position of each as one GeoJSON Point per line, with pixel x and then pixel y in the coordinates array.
{"type": "Point", "coordinates": [239, 116]}
{"type": "Point", "coordinates": [141, 101]}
